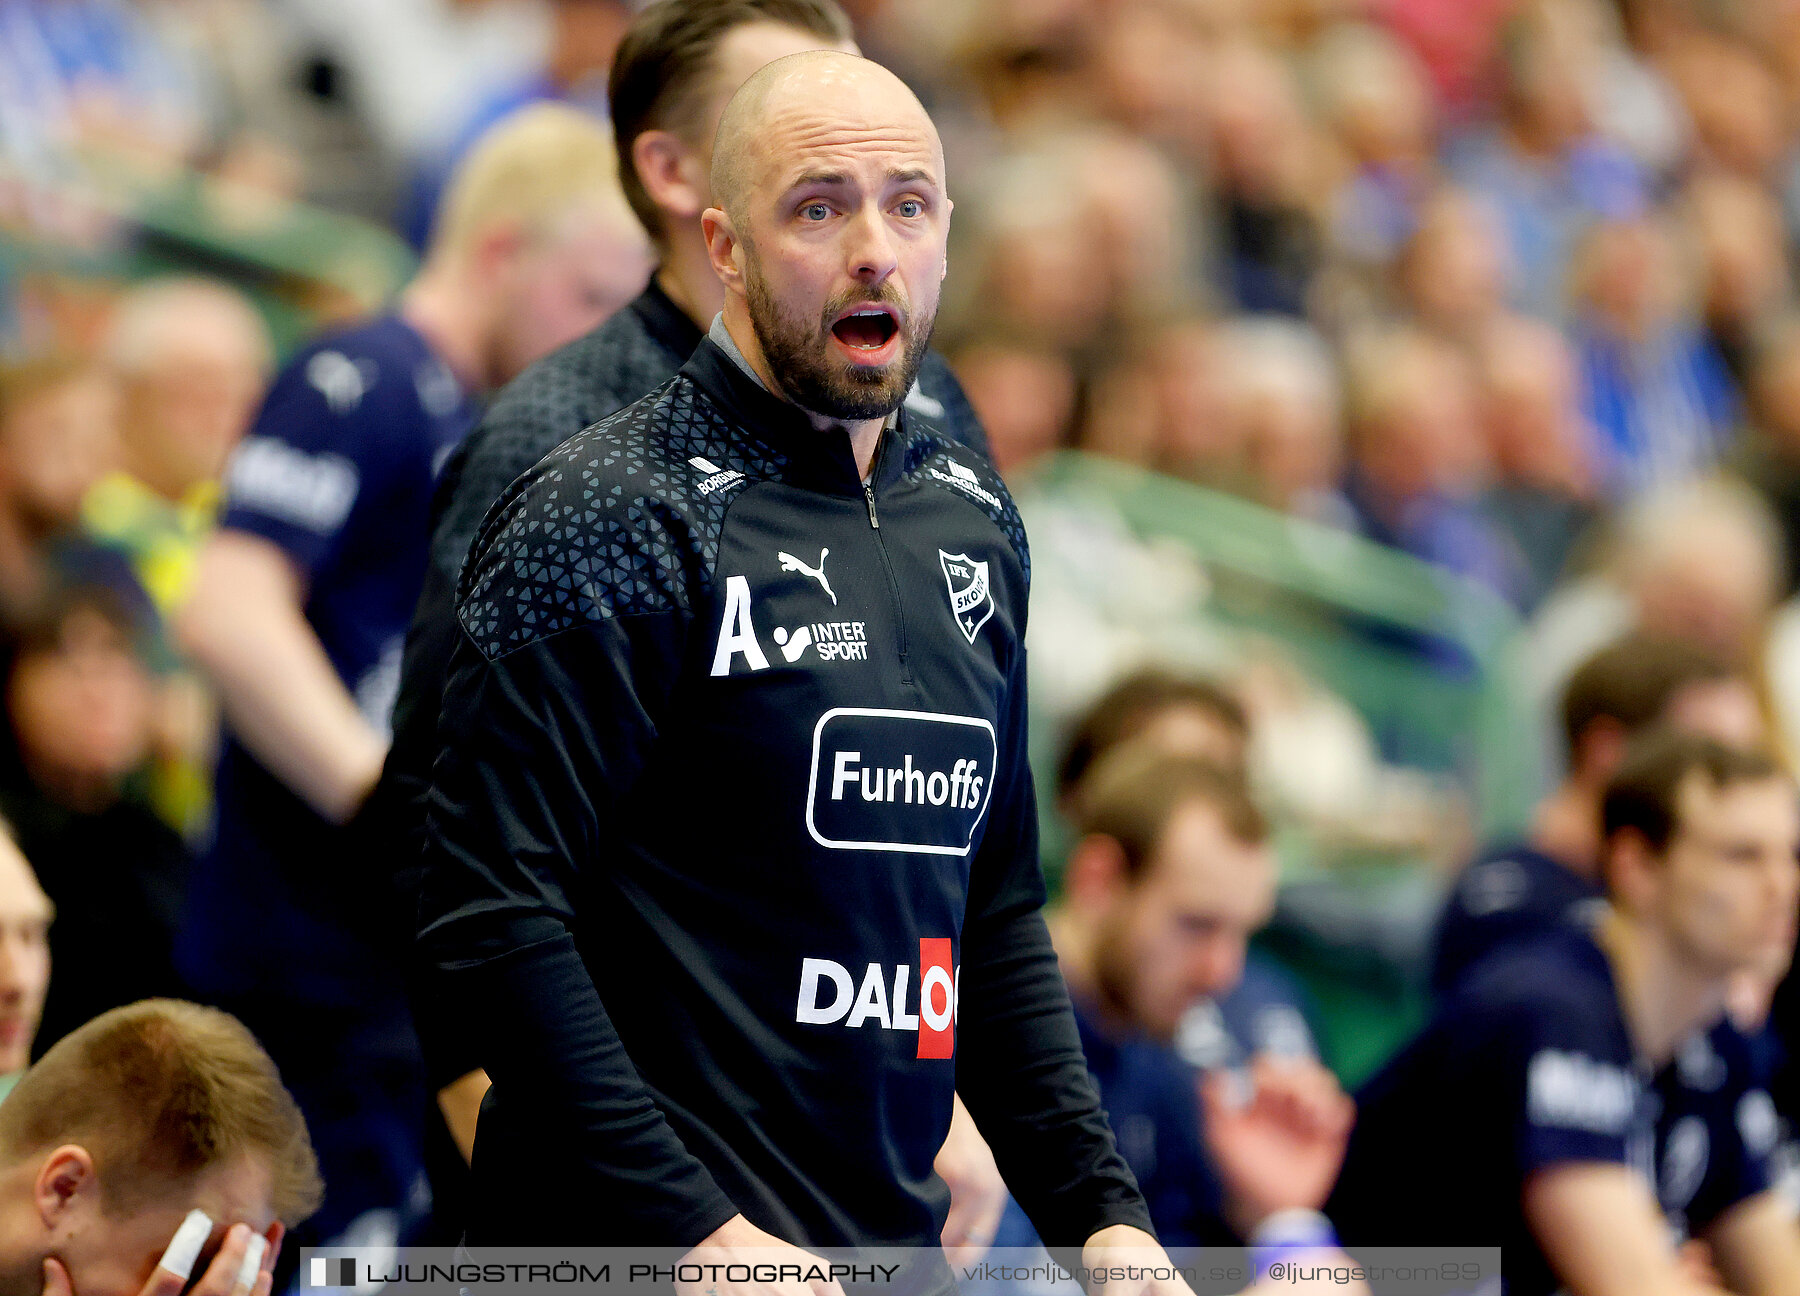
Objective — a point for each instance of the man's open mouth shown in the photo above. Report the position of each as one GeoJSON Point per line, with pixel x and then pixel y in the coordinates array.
{"type": "Point", "coordinates": [867, 328]}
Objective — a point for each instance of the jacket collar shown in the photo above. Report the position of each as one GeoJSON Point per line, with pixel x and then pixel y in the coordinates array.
{"type": "Point", "coordinates": [664, 321]}
{"type": "Point", "coordinates": [816, 460]}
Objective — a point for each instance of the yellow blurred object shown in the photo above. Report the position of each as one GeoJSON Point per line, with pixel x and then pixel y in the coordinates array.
{"type": "Point", "coordinates": [161, 538]}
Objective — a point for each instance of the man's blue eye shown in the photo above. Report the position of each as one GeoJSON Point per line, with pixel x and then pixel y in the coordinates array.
{"type": "Point", "coordinates": [912, 207]}
{"type": "Point", "coordinates": [815, 211]}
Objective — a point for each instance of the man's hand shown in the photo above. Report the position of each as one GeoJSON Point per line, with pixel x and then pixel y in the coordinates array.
{"type": "Point", "coordinates": [220, 1279]}
{"type": "Point", "coordinates": [460, 1101]}
{"type": "Point", "coordinates": [1755, 1246]}
{"type": "Point", "coordinates": [1121, 1247]}
{"type": "Point", "coordinates": [977, 1192]}
{"type": "Point", "coordinates": [1280, 1146]}
{"type": "Point", "coordinates": [739, 1242]}
{"type": "Point", "coordinates": [1694, 1259]}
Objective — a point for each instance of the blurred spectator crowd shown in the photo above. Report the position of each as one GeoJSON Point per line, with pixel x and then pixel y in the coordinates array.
{"type": "Point", "coordinates": [1504, 285]}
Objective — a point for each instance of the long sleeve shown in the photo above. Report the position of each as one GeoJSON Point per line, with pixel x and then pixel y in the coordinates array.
{"type": "Point", "coordinates": [1020, 1068]}
{"type": "Point", "coordinates": [540, 744]}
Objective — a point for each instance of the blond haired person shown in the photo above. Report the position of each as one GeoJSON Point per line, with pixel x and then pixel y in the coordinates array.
{"type": "Point", "coordinates": [144, 1114]}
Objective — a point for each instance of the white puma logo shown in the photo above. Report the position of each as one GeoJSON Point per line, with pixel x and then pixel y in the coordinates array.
{"type": "Point", "coordinates": [793, 564]}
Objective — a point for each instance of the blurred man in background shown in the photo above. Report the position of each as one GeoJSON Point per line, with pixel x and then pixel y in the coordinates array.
{"type": "Point", "coordinates": [1552, 882]}
{"type": "Point", "coordinates": [1264, 1008]}
{"type": "Point", "coordinates": [1768, 455]}
{"type": "Point", "coordinates": [191, 357]}
{"type": "Point", "coordinates": [1700, 562]}
{"type": "Point", "coordinates": [59, 423]}
{"type": "Point", "coordinates": [1542, 492]}
{"type": "Point", "coordinates": [1552, 878]}
{"type": "Point", "coordinates": [1181, 714]}
{"type": "Point", "coordinates": [1527, 1090]}
{"type": "Point", "coordinates": [1171, 876]}
{"type": "Point", "coordinates": [299, 610]}
{"type": "Point", "coordinates": [1418, 461]}
{"type": "Point", "coordinates": [1026, 395]}
{"type": "Point", "coordinates": [1655, 390]}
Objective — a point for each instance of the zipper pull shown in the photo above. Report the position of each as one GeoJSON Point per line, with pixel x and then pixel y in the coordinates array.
{"type": "Point", "coordinates": [869, 498]}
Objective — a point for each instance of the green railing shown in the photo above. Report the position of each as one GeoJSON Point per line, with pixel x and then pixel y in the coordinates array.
{"type": "Point", "coordinates": [1424, 656]}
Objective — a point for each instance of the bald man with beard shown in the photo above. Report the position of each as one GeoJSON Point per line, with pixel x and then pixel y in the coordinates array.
{"type": "Point", "coordinates": [733, 849]}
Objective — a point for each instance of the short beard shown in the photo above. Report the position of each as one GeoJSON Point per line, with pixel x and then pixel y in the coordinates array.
{"type": "Point", "coordinates": [800, 359]}
{"type": "Point", "coordinates": [1115, 977]}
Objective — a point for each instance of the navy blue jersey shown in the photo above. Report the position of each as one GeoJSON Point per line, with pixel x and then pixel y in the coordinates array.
{"type": "Point", "coordinates": [1717, 1132]}
{"type": "Point", "coordinates": [338, 473]}
{"type": "Point", "coordinates": [1151, 1095]}
{"type": "Point", "coordinates": [1716, 1129]}
{"type": "Point", "coordinates": [1506, 896]}
{"type": "Point", "coordinates": [1153, 1104]}
{"type": "Point", "coordinates": [1526, 1065]}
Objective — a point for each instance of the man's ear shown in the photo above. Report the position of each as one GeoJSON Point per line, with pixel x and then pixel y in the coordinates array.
{"type": "Point", "coordinates": [671, 174]}
{"type": "Point", "coordinates": [1631, 871]}
{"type": "Point", "coordinates": [64, 1180]}
{"type": "Point", "coordinates": [1095, 872]}
{"type": "Point", "coordinates": [722, 247]}
{"type": "Point", "coordinates": [944, 272]}
{"type": "Point", "coordinates": [1603, 745]}
{"type": "Point", "coordinates": [496, 250]}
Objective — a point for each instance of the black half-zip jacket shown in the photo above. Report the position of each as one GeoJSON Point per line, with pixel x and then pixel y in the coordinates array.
{"type": "Point", "coordinates": [633, 353]}
{"type": "Point", "coordinates": [732, 853]}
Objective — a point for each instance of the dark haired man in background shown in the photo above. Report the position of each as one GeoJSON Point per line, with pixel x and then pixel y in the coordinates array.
{"type": "Point", "coordinates": [1552, 877]}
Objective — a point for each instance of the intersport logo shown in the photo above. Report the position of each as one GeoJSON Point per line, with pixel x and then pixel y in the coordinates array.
{"type": "Point", "coordinates": [831, 996]}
